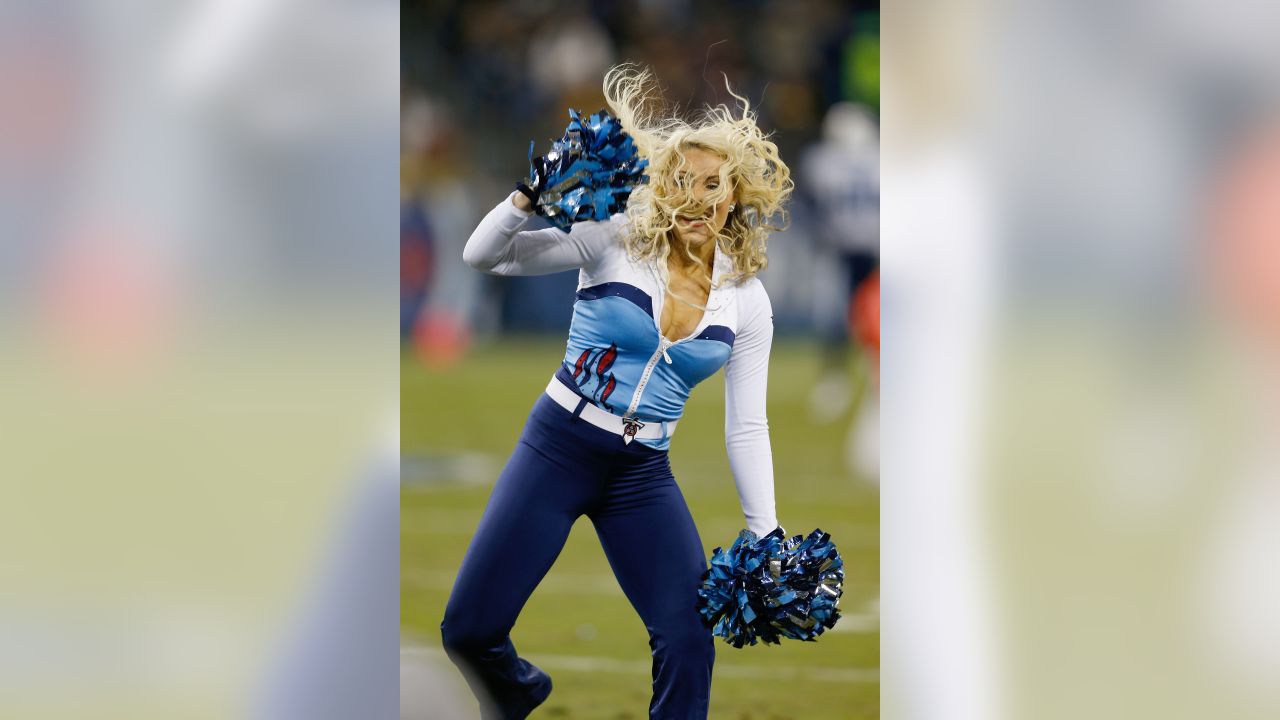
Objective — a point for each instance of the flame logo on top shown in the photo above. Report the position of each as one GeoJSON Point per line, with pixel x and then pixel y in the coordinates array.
{"type": "Point", "coordinates": [605, 383]}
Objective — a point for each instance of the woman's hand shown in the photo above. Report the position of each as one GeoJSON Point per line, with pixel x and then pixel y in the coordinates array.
{"type": "Point", "coordinates": [530, 189]}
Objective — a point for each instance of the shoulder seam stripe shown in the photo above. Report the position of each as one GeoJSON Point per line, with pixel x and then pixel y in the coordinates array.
{"type": "Point", "coordinates": [623, 290]}
{"type": "Point", "coordinates": [717, 332]}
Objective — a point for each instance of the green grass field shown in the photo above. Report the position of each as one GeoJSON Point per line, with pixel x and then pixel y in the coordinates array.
{"type": "Point", "coordinates": [456, 434]}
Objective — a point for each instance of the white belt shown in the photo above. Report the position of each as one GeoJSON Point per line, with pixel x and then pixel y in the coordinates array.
{"type": "Point", "coordinates": [628, 429]}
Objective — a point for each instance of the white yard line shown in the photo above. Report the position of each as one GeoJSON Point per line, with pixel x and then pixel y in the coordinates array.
{"type": "Point", "coordinates": [865, 621]}
{"type": "Point", "coordinates": [582, 663]}
{"type": "Point", "coordinates": [554, 584]}
{"type": "Point", "coordinates": [436, 522]}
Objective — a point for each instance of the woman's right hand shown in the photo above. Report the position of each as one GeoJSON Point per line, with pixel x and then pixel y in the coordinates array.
{"type": "Point", "coordinates": [521, 202]}
{"type": "Point", "coordinates": [530, 189]}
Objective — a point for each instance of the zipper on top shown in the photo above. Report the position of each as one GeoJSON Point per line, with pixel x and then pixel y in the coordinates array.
{"type": "Point", "coordinates": [664, 344]}
{"type": "Point", "coordinates": [659, 352]}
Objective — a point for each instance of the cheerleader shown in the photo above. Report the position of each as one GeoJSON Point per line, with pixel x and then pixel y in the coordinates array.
{"type": "Point", "coordinates": [667, 295]}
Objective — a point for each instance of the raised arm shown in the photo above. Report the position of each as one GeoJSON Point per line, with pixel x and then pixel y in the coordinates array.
{"type": "Point", "coordinates": [497, 246]}
{"type": "Point", "coordinates": [746, 378]}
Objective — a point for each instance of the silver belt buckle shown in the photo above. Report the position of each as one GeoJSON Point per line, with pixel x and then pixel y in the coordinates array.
{"type": "Point", "coordinates": [630, 426]}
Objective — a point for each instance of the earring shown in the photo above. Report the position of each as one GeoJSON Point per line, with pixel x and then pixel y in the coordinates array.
{"type": "Point", "coordinates": [732, 207]}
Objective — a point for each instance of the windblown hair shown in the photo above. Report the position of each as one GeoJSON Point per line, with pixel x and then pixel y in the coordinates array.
{"type": "Point", "coordinates": [753, 174]}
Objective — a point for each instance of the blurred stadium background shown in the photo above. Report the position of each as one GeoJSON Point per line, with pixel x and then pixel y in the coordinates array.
{"type": "Point", "coordinates": [479, 81]}
{"type": "Point", "coordinates": [198, 488]}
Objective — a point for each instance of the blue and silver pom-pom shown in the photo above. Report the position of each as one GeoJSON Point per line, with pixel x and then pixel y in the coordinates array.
{"type": "Point", "coordinates": [765, 589]}
{"type": "Point", "coordinates": [588, 174]}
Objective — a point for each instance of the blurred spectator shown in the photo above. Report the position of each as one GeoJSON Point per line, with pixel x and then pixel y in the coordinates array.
{"type": "Point", "coordinates": [840, 177]}
{"type": "Point", "coordinates": [416, 258]}
{"type": "Point", "coordinates": [483, 79]}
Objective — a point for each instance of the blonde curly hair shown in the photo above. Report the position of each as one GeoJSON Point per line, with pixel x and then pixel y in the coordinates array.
{"type": "Point", "coordinates": [753, 172]}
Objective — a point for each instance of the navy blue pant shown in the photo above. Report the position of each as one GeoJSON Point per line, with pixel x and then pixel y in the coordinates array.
{"type": "Point", "coordinates": [563, 468]}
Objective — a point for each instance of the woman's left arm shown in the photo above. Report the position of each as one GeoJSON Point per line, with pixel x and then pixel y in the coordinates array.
{"type": "Point", "coordinates": [746, 377]}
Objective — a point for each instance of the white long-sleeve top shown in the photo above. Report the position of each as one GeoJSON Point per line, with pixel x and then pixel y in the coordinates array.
{"type": "Point", "coordinates": [615, 338]}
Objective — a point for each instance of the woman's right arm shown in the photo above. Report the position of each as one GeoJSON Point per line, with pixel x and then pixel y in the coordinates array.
{"type": "Point", "coordinates": [497, 246]}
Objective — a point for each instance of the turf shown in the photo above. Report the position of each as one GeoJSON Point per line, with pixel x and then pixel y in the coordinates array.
{"type": "Point", "coordinates": [458, 427]}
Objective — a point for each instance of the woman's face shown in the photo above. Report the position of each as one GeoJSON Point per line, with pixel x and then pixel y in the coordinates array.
{"type": "Point", "coordinates": [702, 169]}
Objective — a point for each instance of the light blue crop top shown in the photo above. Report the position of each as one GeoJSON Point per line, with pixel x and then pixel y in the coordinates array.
{"type": "Point", "coordinates": [616, 356]}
